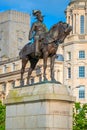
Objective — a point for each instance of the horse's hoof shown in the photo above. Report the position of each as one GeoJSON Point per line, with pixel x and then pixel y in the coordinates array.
{"type": "Point", "coordinates": [27, 83]}
{"type": "Point", "coordinates": [53, 80]}
{"type": "Point", "coordinates": [22, 83]}
{"type": "Point", "coordinates": [45, 79]}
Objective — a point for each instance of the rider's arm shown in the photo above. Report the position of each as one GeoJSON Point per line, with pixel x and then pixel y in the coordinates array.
{"type": "Point", "coordinates": [46, 29]}
{"type": "Point", "coordinates": [31, 32]}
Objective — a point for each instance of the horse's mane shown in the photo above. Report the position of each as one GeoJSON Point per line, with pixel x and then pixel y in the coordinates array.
{"type": "Point", "coordinates": [53, 28]}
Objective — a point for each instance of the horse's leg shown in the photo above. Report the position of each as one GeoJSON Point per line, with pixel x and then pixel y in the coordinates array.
{"type": "Point", "coordinates": [52, 59]}
{"type": "Point", "coordinates": [33, 63]}
{"type": "Point", "coordinates": [45, 65]}
{"type": "Point", "coordinates": [24, 62]}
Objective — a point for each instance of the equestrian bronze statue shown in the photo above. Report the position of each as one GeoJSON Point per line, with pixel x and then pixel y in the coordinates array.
{"type": "Point", "coordinates": [45, 44]}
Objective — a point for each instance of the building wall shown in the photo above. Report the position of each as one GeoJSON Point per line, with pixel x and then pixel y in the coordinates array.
{"type": "Point", "coordinates": [74, 44]}
{"type": "Point", "coordinates": [14, 30]}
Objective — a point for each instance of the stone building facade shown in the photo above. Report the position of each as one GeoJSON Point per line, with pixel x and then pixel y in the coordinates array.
{"type": "Point", "coordinates": [75, 50]}
{"type": "Point", "coordinates": [14, 30]}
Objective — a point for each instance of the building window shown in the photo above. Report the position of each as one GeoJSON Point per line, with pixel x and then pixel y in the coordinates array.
{"type": "Point", "coordinates": [81, 54]}
{"type": "Point", "coordinates": [1, 35]}
{"type": "Point", "coordinates": [82, 24]}
{"type": "Point", "coordinates": [82, 91]}
{"type": "Point", "coordinates": [38, 71]}
{"type": "Point", "coordinates": [32, 81]}
{"type": "Point", "coordinates": [4, 87]}
{"type": "Point", "coordinates": [40, 78]}
{"type": "Point", "coordinates": [81, 71]}
{"type": "Point", "coordinates": [69, 55]}
{"type": "Point", "coordinates": [4, 68]}
{"type": "Point", "coordinates": [20, 41]}
{"type": "Point", "coordinates": [69, 72]}
{"type": "Point", "coordinates": [13, 67]}
{"type": "Point", "coordinates": [13, 84]}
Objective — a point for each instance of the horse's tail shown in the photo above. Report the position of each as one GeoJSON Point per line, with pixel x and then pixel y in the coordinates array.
{"type": "Point", "coordinates": [26, 50]}
{"type": "Point", "coordinates": [20, 55]}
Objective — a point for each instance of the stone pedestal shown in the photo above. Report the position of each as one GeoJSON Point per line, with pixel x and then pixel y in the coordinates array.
{"type": "Point", "coordinates": [39, 107]}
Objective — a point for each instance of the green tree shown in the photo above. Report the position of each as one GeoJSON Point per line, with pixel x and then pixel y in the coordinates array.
{"type": "Point", "coordinates": [80, 116]}
{"type": "Point", "coordinates": [2, 116]}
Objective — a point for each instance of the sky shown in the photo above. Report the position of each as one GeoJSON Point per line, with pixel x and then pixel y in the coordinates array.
{"type": "Point", "coordinates": [53, 10]}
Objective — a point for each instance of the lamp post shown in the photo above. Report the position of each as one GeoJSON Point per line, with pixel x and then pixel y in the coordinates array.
{"type": "Point", "coordinates": [72, 89]}
{"type": "Point", "coordinates": [75, 87]}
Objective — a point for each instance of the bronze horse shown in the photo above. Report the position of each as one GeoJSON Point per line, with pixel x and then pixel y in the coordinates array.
{"type": "Point", "coordinates": [48, 47]}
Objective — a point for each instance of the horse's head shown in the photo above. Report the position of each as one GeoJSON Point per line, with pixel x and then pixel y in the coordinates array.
{"type": "Point", "coordinates": [63, 29]}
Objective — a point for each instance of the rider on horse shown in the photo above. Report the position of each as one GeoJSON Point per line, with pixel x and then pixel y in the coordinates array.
{"type": "Point", "coordinates": [37, 30]}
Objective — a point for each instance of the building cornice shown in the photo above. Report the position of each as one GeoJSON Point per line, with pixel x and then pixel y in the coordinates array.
{"type": "Point", "coordinates": [9, 74]}
{"type": "Point", "coordinates": [9, 60]}
{"type": "Point", "coordinates": [74, 42]}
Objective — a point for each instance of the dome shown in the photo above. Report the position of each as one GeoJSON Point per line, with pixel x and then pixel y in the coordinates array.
{"type": "Point", "coordinates": [72, 0]}
{"type": "Point", "coordinates": [59, 57]}
{"type": "Point", "coordinates": [77, 0]}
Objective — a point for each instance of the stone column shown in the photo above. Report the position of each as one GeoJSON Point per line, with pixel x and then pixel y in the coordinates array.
{"type": "Point", "coordinates": [45, 106]}
{"type": "Point", "coordinates": [77, 24]}
{"type": "Point", "coordinates": [86, 18]}
{"type": "Point", "coordinates": [74, 23]}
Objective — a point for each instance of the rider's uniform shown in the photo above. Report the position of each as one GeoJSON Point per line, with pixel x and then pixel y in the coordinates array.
{"type": "Point", "coordinates": [38, 29]}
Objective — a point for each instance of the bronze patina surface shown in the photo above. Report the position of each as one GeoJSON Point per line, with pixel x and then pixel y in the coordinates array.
{"type": "Point", "coordinates": [45, 44]}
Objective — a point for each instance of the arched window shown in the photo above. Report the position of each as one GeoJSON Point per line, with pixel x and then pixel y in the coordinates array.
{"type": "Point", "coordinates": [82, 24]}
